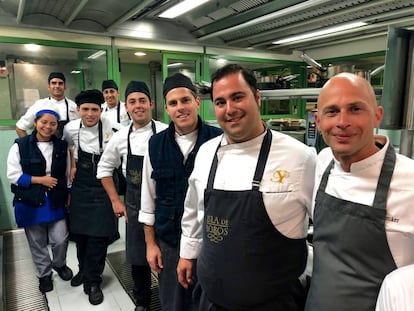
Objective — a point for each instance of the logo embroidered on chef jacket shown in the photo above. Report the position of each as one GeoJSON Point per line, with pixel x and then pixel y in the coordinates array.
{"type": "Point", "coordinates": [108, 135]}
{"type": "Point", "coordinates": [279, 176]}
{"type": "Point", "coordinates": [216, 228]}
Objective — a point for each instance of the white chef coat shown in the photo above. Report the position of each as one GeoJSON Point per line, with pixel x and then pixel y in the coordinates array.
{"type": "Point", "coordinates": [397, 291]}
{"type": "Point", "coordinates": [359, 186]}
{"type": "Point", "coordinates": [112, 113]}
{"type": "Point", "coordinates": [89, 136]}
{"type": "Point", "coordinates": [26, 122]}
{"type": "Point", "coordinates": [286, 185]}
{"type": "Point", "coordinates": [148, 195]}
{"type": "Point", "coordinates": [118, 147]}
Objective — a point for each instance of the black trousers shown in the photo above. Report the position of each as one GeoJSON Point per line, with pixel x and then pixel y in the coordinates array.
{"type": "Point", "coordinates": [142, 285]}
{"type": "Point", "coordinates": [91, 252]}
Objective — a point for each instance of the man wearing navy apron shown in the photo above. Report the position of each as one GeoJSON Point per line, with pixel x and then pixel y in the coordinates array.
{"type": "Point", "coordinates": [130, 145]}
{"type": "Point", "coordinates": [245, 217]}
{"type": "Point", "coordinates": [56, 84]}
{"type": "Point", "coordinates": [363, 223]}
{"type": "Point", "coordinates": [93, 224]}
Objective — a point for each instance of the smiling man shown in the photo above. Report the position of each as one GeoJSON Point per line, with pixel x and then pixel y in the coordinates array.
{"type": "Point", "coordinates": [93, 224]}
{"type": "Point", "coordinates": [245, 216]}
{"type": "Point", "coordinates": [129, 146]}
{"type": "Point", "coordinates": [113, 107]}
{"type": "Point", "coordinates": [362, 214]}
{"type": "Point", "coordinates": [167, 166]}
{"type": "Point", "coordinates": [56, 84]}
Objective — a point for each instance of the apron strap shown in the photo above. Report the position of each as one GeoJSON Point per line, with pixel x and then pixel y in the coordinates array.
{"type": "Point", "coordinates": [67, 109]}
{"type": "Point", "coordinates": [100, 136]}
{"type": "Point", "coordinates": [261, 163]}
{"type": "Point", "coordinates": [384, 180]}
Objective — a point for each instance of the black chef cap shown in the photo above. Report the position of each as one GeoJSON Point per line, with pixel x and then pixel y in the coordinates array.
{"type": "Point", "coordinates": [109, 84]}
{"type": "Point", "coordinates": [137, 86]}
{"type": "Point", "coordinates": [89, 97]}
{"type": "Point", "coordinates": [178, 80]}
{"type": "Point", "coordinates": [56, 75]}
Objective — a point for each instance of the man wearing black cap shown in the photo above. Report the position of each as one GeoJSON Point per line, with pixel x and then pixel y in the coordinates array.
{"type": "Point", "coordinates": [167, 166]}
{"type": "Point", "coordinates": [56, 101]}
{"type": "Point", "coordinates": [130, 145]}
{"type": "Point", "coordinates": [93, 224]}
{"type": "Point", "coordinates": [113, 107]}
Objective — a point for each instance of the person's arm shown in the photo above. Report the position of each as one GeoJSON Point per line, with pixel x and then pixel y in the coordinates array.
{"type": "Point", "coordinates": [147, 215]}
{"type": "Point", "coordinates": [20, 132]}
{"type": "Point", "coordinates": [26, 121]}
{"type": "Point", "coordinates": [117, 205]}
{"type": "Point", "coordinates": [154, 257]}
{"type": "Point", "coordinates": [111, 159]}
{"type": "Point", "coordinates": [191, 223]}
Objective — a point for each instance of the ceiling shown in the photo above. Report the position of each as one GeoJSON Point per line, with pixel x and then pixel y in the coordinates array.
{"type": "Point", "coordinates": [239, 24]}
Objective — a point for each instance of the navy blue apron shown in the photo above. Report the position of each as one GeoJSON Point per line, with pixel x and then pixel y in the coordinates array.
{"type": "Point", "coordinates": [135, 238]}
{"type": "Point", "coordinates": [62, 123]}
{"type": "Point", "coordinates": [245, 262]}
{"type": "Point", "coordinates": [351, 252]}
{"type": "Point", "coordinates": [91, 210]}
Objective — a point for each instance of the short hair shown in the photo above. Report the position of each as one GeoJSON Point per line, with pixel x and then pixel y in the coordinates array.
{"type": "Point", "coordinates": [229, 69]}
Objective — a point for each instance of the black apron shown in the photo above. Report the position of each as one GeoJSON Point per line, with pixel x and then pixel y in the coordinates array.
{"type": "Point", "coordinates": [135, 238]}
{"type": "Point", "coordinates": [62, 123]}
{"type": "Point", "coordinates": [91, 210]}
{"type": "Point", "coordinates": [245, 262]}
{"type": "Point", "coordinates": [351, 252]}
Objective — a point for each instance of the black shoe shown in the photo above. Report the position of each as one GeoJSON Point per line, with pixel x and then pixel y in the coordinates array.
{"type": "Point", "coordinates": [77, 279]}
{"type": "Point", "coordinates": [64, 272]}
{"type": "Point", "coordinates": [95, 294]}
{"type": "Point", "coordinates": [46, 284]}
{"type": "Point", "coordinates": [141, 308]}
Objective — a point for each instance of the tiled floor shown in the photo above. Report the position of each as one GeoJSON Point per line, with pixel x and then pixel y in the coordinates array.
{"type": "Point", "coordinates": [67, 298]}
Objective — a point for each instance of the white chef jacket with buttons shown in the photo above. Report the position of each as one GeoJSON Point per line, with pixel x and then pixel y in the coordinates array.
{"type": "Point", "coordinates": [359, 186]}
{"type": "Point", "coordinates": [118, 147]}
{"type": "Point", "coordinates": [286, 185]}
{"type": "Point", "coordinates": [26, 122]}
{"type": "Point", "coordinates": [112, 113]}
{"type": "Point", "coordinates": [89, 136]}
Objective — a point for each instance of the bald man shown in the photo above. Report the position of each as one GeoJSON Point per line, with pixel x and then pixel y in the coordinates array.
{"type": "Point", "coordinates": [362, 213]}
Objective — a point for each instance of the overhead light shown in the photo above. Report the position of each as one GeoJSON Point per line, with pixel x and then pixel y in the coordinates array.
{"type": "Point", "coordinates": [140, 54]}
{"type": "Point", "coordinates": [174, 65]}
{"type": "Point", "coordinates": [75, 71]}
{"type": "Point", "coordinates": [320, 32]}
{"type": "Point", "coordinates": [32, 47]}
{"type": "Point", "coordinates": [97, 54]}
{"type": "Point", "coordinates": [181, 8]}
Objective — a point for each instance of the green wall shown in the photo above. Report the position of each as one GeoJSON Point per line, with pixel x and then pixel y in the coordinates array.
{"type": "Point", "coordinates": [6, 209]}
